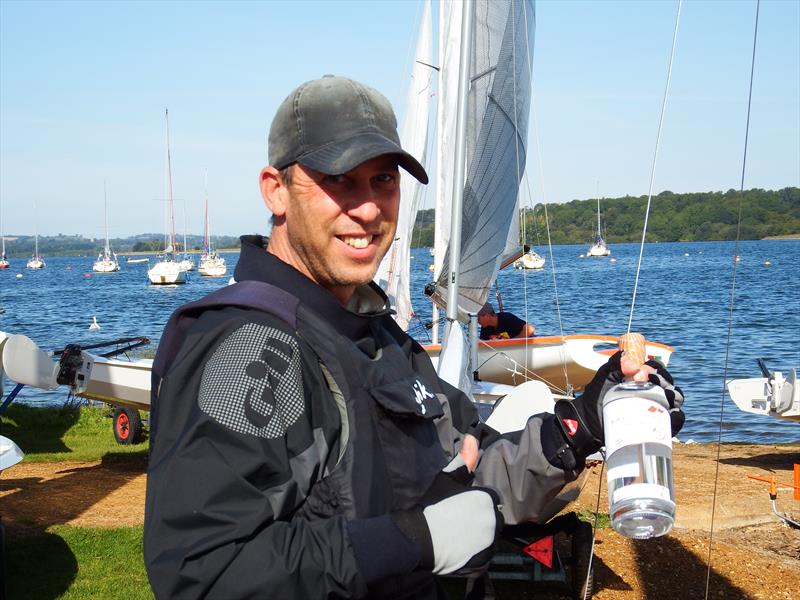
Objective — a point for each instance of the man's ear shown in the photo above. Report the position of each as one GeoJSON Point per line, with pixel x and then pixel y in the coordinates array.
{"type": "Point", "coordinates": [274, 191]}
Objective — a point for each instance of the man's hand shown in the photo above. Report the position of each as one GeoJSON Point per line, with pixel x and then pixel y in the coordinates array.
{"type": "Point", "coordinates": [580, 422]}
{"type": "Point", "coordinates": [455, 525]}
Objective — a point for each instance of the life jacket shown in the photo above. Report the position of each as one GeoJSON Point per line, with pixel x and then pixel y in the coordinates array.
{"type": "Point", "coordinates": [392, 449]}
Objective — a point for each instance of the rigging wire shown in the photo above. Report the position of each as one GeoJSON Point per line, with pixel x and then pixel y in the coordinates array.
{"type": "Point", "coordinates": [732, 300]}
{"type": "Point", "coordinates": [655, 160]}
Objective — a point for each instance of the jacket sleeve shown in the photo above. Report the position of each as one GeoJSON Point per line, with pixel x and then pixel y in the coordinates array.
{"type": "Point", "coordinates": [521, 467]}
{"type": "Point", "coordinates": [242, 438]}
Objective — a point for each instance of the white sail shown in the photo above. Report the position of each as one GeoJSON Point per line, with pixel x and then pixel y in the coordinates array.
{"type": "Point", "coordinates": [496, 139]}
{"type": "Point", "coordinates": [394, 272]}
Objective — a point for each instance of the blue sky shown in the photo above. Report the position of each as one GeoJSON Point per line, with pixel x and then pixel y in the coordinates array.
{"type": "Point", "coordinates": [83, 87]}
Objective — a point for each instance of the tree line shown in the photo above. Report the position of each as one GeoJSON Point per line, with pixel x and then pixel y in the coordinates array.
{"type": "Point", "coordinates": [78, 245]}
{"type": "Point", "coordinates": [691, 217]}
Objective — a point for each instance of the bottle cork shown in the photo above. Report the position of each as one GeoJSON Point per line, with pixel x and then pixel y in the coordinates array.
{"type": "Point", "coordinates": [633, 352]}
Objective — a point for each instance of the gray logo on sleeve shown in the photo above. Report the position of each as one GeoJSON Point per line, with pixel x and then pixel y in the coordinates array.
{"type": "Point", "coordinates": [253, 383]}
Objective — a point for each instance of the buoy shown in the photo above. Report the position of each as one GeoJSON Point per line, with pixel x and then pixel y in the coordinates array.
{"type": "Point", "coordinates": [767, 263]}
{"type": "Point", "coordinates": [87, 274]}
{"type": "Point", "coordinates": [19, 275]}
{"type": "Point", "coordinates": [613, 260]}
{"type": "Point", "coordinates": [94, 326]}
{"type": "Point", "coordinates": [581, 256]}
{"type": "Point", "coordinates": [686, 254]}
{"type": "Point", "coordinates": [738, 258]}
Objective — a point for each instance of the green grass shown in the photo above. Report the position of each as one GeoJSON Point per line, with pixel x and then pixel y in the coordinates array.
{"type": "Point", "coordinates": [66, 433]}
{"type": "Point", "coordinates": [603, 518]}
{"type": "Point", "coordinates": [44, 565]}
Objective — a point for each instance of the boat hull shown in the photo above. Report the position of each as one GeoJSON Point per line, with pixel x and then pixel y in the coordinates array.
{"type": "Point", "coordinates": [598, 250]}
{"type": "Point", "coordinates": [559, 362]}
{"type": "Point", "coordinates": [119, 382]}
{"type": "Point", "coordinates": [758, 396]}
{"type": "Point", "coordinates": [166, 273]}
{"type": "Point", "coordinates": [105, 266]}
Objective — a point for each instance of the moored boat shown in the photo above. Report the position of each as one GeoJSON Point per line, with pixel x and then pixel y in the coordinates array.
{"type": "Point", "coordinates": [168, 270]}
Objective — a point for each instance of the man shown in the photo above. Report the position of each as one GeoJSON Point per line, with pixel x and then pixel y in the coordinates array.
{"type": "Point", "coordinates": [502, 325]}
{"type": "Point", "coordinates": [302, 445]}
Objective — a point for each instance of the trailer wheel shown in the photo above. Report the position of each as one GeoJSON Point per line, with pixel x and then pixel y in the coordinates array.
{"type": "Point", "coordinates": [582, 570]}
{"type": "Point", "coordinates": [127, 425]}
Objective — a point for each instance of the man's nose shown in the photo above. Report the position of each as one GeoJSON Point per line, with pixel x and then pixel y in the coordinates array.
{"type": "Point", "coordinates": [364, 205]}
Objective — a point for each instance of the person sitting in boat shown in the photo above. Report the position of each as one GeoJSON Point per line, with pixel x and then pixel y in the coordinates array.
{"type": "Point", "coordinates": [502, 325]}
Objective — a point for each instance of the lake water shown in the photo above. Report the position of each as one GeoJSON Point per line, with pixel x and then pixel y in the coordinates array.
{"type": "Point", "coordinates": [683, 300]}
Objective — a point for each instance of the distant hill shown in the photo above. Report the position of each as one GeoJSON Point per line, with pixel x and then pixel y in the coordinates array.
{"type": "Point", "coordinates": [77, 245]}
{"type": "Point", "coordinates": [703, 216]}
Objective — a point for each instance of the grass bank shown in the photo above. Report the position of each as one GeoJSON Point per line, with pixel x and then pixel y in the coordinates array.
{"type": "Point", "coordinates": [64, 561]}
{"type": "Point", "coordinates": [63, 433]}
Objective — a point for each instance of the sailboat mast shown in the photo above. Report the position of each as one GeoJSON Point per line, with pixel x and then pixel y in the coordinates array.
{"type": "Point", "coordinates": [460, 161]}
{"type": "Point", "coordinates": [206, 232]}
{"type": "Point", "coordinates": [169, 193]}
{"type": "Point", "coordinates": [105, 210]}
{"type": "Point", "coordinates": [598, 217]}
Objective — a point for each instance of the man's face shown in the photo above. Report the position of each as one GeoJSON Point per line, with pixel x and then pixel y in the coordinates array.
{"type": "Point", "coordinates": [338, 227]}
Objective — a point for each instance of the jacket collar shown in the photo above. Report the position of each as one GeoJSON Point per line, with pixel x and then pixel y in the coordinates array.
{"type": "Point", "coordinates": [367, 304]}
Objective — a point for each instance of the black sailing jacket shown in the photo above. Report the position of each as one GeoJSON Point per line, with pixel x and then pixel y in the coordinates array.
{"type": "Point", "coordinates": [282, 436]}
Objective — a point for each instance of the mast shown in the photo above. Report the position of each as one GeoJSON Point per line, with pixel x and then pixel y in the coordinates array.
{"type": "Point", "coordinates": [2, 237]}
{"type": "Point", "coordinates": [169, 194]}
{"type": "Point", "coordinates": [599, 235]}
{"type": "Point", "coordinates": [105, 208]}
{"type": "Point", "coordinates": [206, 231]}
{"type": "Point", "coordinates": [460, 160]}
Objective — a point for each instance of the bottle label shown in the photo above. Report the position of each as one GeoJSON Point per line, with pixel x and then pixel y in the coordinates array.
{"type": "Point", "coordinates": [633, 420]}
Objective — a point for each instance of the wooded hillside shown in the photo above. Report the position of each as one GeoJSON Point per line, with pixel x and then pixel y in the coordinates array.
{"type": "Point", "coordinates": [703, 216]}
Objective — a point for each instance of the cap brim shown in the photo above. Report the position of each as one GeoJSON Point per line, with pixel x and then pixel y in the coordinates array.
{"type": "Point", "coordinates": [344, 155]}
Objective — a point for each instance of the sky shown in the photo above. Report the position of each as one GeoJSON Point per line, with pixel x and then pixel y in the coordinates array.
{"type": "Point", "coordinates": [84, 87]}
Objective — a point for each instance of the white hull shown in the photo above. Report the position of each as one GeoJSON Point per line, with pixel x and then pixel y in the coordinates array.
{"type": "Point", "coordinates": [138, 260]}
{"type": "Point", "coordinates": [36, 263]}
{"type": "Point", "coordinates": [105, 266]}
{"type": "Point", "coordinates": [4, 264]}
{"type": "Point", "coordinates": [212, 266]}
{"type": "Point", "coordinates": [598, 250]}
{"type": "Point", "coordinates": [554, 360]}
{"type": "Point", "coordinates": [530, 260]}
{"type": "Point", "coordinates": [186, 265]}
{"type": "Point", "coordinates": [166, 272]}
{"type": "Point", "coordinates": [118, 382]}
{"type": "Point", "coordinates": [777, 396]}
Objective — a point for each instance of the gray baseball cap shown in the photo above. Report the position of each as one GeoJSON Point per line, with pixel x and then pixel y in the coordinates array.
{"type": "Point", "coordinates": [333, 124]}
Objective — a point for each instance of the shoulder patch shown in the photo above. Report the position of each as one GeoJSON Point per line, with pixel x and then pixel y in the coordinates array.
{"type": "Point", "coordinates": [253, 383]}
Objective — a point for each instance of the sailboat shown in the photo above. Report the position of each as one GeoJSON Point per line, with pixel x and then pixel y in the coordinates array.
{"type": "Point", "coordinates": [488, 153]}
{"type": "Point", "coordinates": [530, 260]}
{"type": "Point", "coordinates": [167, 270]}
{"type": "Point", "coordinates": [599, 248]}
{"type": "Point", "coordinates": [4, 264]}
{"type": "Point", "coordinates": [211, 263]}
{"type": "Point", "coordinates": [107, 261]}
{"type": "Point", "coordinates": [36, 261]}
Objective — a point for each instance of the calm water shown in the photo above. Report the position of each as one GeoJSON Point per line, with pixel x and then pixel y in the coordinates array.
{"type": "Point", "coordinates": [681, 300]}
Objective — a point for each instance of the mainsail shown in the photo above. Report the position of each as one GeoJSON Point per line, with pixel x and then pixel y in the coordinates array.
{"type": "Point", "coordinates": [394, 272]}
{"type": "Point", "coordinates": [496, 138]}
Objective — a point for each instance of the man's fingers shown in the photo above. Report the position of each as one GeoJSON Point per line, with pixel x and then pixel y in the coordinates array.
{"type": "Point", "coordinates": [469, 451]}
